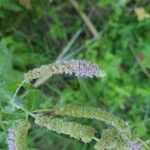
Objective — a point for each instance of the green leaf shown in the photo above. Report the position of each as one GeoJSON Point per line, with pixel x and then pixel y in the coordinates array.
{"type": "Point", "coordinates": [5, 61]}
{"type": "Point", "coordinates": [10, 5]}
{"type": "Point", "coordinates": [16, 115]}
{"type": "Point", "coordinates": [33, 99]}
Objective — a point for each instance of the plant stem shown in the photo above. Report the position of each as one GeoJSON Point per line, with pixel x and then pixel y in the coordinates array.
{"type": "Point", "coordinates": [85, 18]}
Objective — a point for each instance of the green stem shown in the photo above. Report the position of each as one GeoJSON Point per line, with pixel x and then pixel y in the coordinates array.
{"type": "Point", "coordinates": [17, 90]}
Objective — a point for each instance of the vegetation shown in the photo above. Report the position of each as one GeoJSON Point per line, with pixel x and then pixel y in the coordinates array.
{"type": "Point", "coordinates": [114, 35]}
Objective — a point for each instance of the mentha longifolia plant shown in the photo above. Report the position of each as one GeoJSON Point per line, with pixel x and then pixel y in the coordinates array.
{"type": "Point", "coordinates": [118, 137]}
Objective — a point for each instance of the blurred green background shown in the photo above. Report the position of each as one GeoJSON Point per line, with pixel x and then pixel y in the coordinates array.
{"type": "Point", "coordinates": [45, 31]}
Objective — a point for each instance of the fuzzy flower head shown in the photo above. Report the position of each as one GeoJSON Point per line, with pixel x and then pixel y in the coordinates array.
{"type": "Point", "coordinates": [73, 129]}
{"type": "Point", "coordinates": [17, 136]}
{"type": "Point", "coordinates": [80, 68]}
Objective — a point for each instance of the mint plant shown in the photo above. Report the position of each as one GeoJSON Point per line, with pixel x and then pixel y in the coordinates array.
{"type": "Point", "coordinates": [114, 34]}
{"type": "Point", "coordinates": [118, 136]}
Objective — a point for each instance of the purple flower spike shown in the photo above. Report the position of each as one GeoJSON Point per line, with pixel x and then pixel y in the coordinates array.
{"type": "Point", "coordinates": [82, 68]}
{"type": "Point", "coordinates": [135, 146]}
{"type": "Point", "coordinates": [76, 67]}
{"type": "Point", "coordinates": [11, 138]}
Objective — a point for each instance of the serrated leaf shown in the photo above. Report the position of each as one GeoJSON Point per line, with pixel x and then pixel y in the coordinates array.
{"type": "Point", "coordinates": [7, 73]}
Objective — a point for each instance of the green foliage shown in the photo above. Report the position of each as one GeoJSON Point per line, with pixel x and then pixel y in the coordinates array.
{"type": "Point", "coordinates": [31, 38]}
{"type": "Point", "coordinates": [10, 5]}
